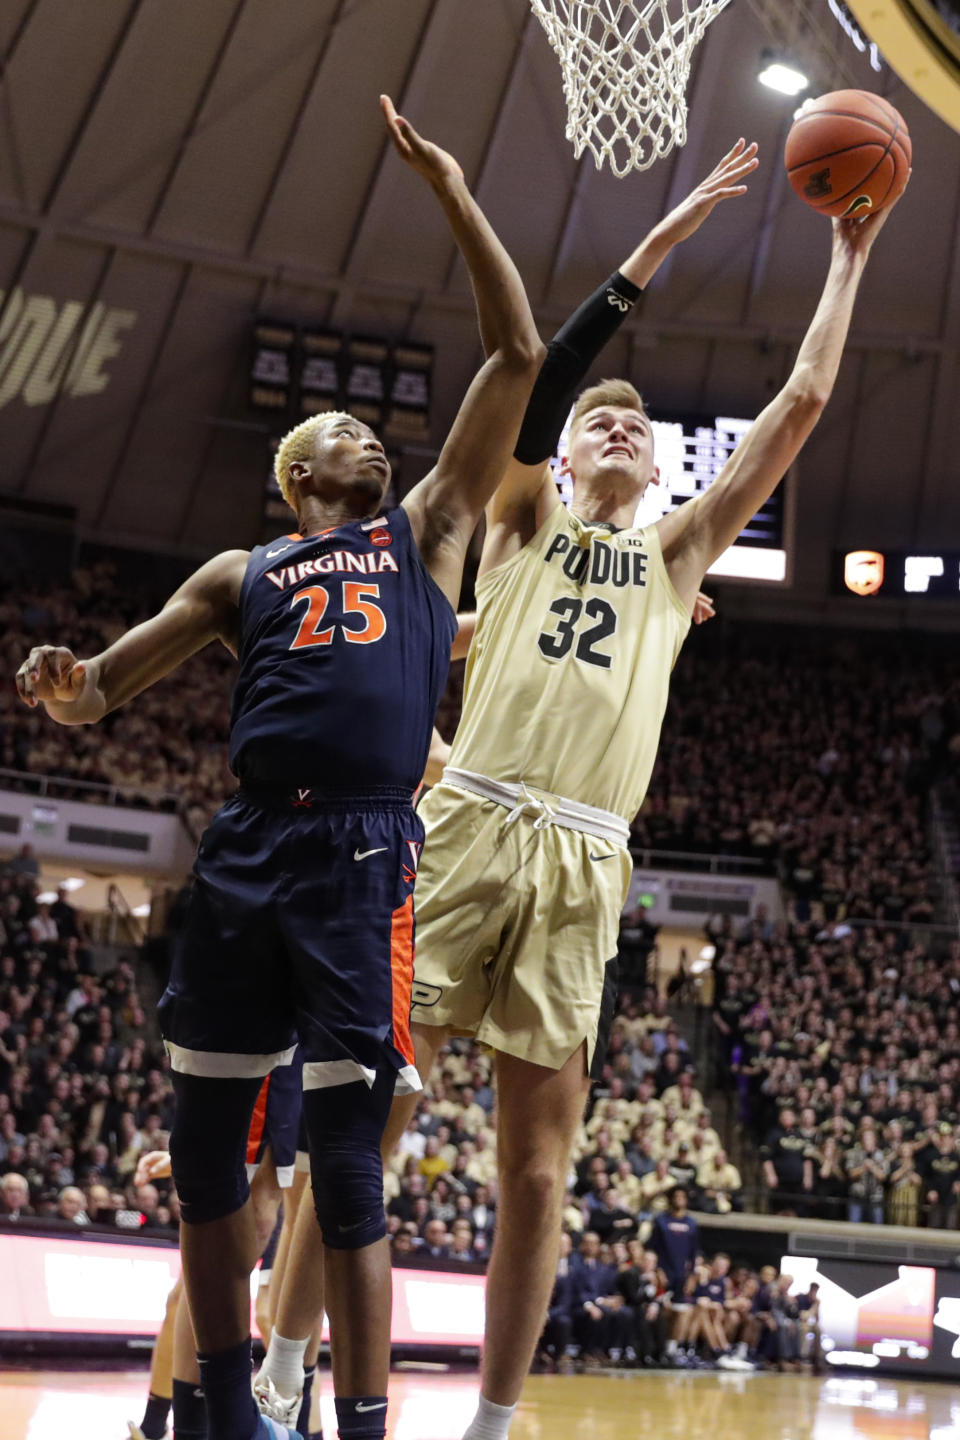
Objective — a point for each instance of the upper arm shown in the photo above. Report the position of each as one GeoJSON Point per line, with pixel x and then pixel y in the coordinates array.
{"type": "Point", "coordinates": [523, 501]}
{"type": "Point", "coordinates": [445, 507]}
{"type": "Point", "coordinates": [204, 608]}
{"type": "Point", "coordinates": [698, 532]}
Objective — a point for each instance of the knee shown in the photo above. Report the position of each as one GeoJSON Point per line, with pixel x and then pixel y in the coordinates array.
{"type": "Point", "coordinates": [208, 1146]}
{"type": "Point", "coordinates": [534, 1183]}
{"type": "Point", "coordinates": [348, 1197]}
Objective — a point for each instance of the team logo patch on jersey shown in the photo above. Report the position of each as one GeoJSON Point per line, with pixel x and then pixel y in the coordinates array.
{"type": "Point", "coordinates": [381, 537]}
{"type": "Point", "coordinates": [302, 800]}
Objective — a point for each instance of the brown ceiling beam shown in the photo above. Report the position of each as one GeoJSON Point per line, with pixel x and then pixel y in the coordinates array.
{"type": "Point", "coordinates": [392, 292]}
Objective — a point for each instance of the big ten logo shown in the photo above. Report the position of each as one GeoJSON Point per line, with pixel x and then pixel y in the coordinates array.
{"type": "Point", "coordinates": [47, 347]}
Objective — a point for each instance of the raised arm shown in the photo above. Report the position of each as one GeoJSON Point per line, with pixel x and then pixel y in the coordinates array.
{"type": "Point", "coordinates": [445, 507]}
{"type": "Point", "coordinates": [80, 692]}
{"type": "Point", "coordinates": [580, 340]}
{"type": "Point", "coordinates": [695, 534]}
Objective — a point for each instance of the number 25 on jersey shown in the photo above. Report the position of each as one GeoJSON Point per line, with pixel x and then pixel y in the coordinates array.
{"type": "Point", "coordinates": [358, 601]}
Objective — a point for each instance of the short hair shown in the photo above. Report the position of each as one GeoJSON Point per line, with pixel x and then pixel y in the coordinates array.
{"type": "Point", "coordinates": [299, 444]}
{"type": "Point", "coordinates": [609, 392]}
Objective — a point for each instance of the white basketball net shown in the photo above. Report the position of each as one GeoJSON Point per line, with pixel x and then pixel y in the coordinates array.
{"type": "Point", "coordinates": [625, 71]}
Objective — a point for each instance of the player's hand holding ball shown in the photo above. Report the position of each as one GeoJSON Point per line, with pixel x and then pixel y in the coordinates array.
{"type": "Point", "coordinates": [435, 165]}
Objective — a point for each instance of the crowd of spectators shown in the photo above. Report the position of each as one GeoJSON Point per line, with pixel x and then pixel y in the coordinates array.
{"type": "Point", "coordinates": [842, 1047]}
{"type": "Point", "coordinates": [662, 1302]}
{"type": "Point", "coordinates": [811, 757]}
{"type": "Point", "coordinates": [168, 750]}
{"type": "Point", "coordinates": [82, 1090]}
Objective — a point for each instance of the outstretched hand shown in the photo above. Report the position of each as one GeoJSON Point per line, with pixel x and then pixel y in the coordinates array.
{"type": "Point", "coordinates": [434, 164]}
{"type": "Point", "coordinates": [723, 183]}
{"type": "Point", "coordinates": [855, 234]}
{"type": "Point", "coordinates": [50, 672]}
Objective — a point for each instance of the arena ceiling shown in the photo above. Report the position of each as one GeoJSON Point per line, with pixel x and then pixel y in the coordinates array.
{"type": "Point", "coordinates": [169, 169]}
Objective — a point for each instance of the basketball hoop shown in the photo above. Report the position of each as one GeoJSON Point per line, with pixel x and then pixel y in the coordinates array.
{"type": "Point", "coordinates": [625, 66]}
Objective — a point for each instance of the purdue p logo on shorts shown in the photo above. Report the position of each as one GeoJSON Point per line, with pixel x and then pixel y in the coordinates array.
{"type": "Point", "coordinates": [425, 995]}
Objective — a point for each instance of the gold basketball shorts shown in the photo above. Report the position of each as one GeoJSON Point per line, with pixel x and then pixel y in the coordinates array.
{"type": "Point", "coordinates": [518, 915]}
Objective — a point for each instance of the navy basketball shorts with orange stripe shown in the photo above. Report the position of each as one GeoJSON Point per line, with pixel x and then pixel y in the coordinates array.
{"type": "Point", "coordinates": [300, 926]}
{"type": "Point", "coordinates": [276, 1127]}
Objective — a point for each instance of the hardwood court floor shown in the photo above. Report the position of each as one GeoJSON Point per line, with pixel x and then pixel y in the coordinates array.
{"type": "Point", "coordinates": [89, 1405]}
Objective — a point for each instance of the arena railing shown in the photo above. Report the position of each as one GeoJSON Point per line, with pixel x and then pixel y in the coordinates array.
{"type": "Point", "coordinates": [704, 863]}
{"type": "Point", "coordinates": [55, 787]}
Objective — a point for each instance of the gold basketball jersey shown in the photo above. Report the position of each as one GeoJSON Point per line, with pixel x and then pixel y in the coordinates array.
{"type": "Point", "coordinates": [567, 677]}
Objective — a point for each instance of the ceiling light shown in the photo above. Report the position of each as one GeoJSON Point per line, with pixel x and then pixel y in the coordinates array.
{"type": "Point", "coordinates": [784, 78]}
{"type": "Point", "coordinates": [72, 882]}
{"type": "Point", "coordinates": [141, 911]}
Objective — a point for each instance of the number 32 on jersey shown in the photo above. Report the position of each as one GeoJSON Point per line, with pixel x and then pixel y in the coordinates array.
{"type": "Point", "coordinates": [563, 627]}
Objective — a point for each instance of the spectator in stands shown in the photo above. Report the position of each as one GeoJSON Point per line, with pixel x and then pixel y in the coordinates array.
{"type": "Point", "coordinates": [14, 1197]}
{"type": "Point", "coordinates": [70, 1206]}
{"type": "Point", "coordinates": [787, 1166]}
{"type": "Point", "coordinates": [554, 1346]}
{"type": "Point", "coordinates": [719, 1184]}
{"type": "Point", "coordinates": [942, 1177]}
{"type": "Point", "coordinates": [592, 1282]}
{"type": "Point", "coordinates": [435, 1241]}
{"type": "Point", "coordinates": [867, 1168]}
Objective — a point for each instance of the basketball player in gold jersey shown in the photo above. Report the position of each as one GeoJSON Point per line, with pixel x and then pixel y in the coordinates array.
{"type": "Point", "coordinates": [580, 618]}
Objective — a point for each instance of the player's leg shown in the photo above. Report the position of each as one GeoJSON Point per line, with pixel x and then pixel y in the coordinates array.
{"type": "Point", "coordinates": [265, 1197]}
{"type": "Point", "coordinates": [153, 1426]}
{"type": "Point", "coordinates": [428, 1041]}
{"type": "Point", "coordinates": [225, 1029]}
{"type": "Point", "coordinates": [297, 1197]}
{"type": "Point", "coordinates": [189, 1406]}
{"type": "Point", "coordinates": [345, 1124]}
{"type": "Point", "coordinates": [538, 1112]}
{"type": "Point", "coordinates": [299, 1300]}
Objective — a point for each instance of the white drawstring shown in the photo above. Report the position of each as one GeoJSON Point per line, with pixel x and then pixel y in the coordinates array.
{"type": "Point", "coordinates": [528, 804]}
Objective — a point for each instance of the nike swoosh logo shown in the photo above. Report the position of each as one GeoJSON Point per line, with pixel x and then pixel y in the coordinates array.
{"type": "Point", "coordinates": [362, 855]}
{"type": "Point", "coordinates": [603, 857]}
{"type": "Point", "coordinates": [362, 1409]}
{"type": "Point", "coordinates": [272, 554]}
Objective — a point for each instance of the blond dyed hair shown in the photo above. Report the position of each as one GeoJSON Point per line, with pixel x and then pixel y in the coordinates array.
{"type": "Point", "coordinates": [299, 444]}
{"type": "Point", "coordinates": [618, 393]}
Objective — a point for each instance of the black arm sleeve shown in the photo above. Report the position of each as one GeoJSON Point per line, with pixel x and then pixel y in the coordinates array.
{"type": "Point", "coordinates": [570, 354]}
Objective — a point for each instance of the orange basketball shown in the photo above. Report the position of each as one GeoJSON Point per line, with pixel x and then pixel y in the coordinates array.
{"type": "Point", "coordinates": [848, 152]}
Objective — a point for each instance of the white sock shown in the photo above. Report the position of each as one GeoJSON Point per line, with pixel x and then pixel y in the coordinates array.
{"type": "Point", "coordinates": [491, 1422]}
{"type": "Point", "coordinates": [284, 1364]}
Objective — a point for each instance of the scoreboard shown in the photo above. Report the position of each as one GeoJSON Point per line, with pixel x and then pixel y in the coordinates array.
{"type": "Point", "coordinates": [690, 451]}
{"type": "Point", "coordinates": [934, 575]}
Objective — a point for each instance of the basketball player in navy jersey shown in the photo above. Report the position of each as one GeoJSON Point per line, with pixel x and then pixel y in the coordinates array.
{"type": "Point", "coordinates": [301, 921]}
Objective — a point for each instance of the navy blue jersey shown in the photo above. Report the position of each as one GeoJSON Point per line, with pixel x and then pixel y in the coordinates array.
{"type": "Point", "coordinates": [344, 649]}
{"type": "Point", "coordinates": [715, 1290]}
{"type": "Point", "coordinates": [674, 1241]}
